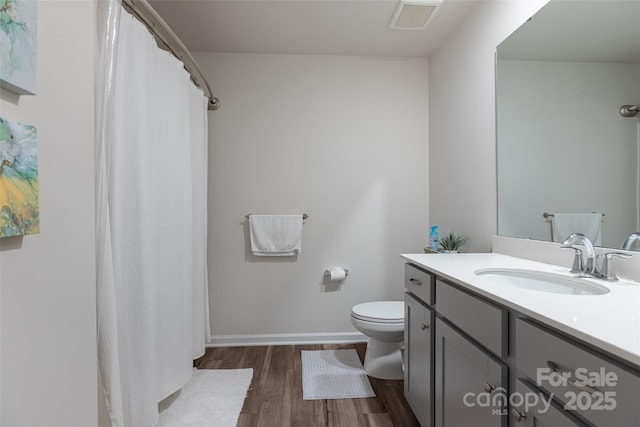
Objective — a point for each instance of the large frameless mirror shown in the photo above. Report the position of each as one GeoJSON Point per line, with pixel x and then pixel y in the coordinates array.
{"type": "Point", "coordinates": [563, 145]}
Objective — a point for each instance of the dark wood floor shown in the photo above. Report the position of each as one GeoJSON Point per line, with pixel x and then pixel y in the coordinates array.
{"type": "Point", "coordinates": [275, 395]}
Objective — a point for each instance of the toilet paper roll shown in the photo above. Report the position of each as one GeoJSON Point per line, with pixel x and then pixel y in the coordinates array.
{"type": "Point", "coordinates": [336, 274]}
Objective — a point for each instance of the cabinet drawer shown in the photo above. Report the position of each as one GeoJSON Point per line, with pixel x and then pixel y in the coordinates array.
{"type": "Point", "coordinates": [532, 408]}
{"type": "Point", "coordinates": [484, 322]}
{"type": "Point", "coordinates": [419, 283]}
{"type": "Point", "coordinates": [582, 381]}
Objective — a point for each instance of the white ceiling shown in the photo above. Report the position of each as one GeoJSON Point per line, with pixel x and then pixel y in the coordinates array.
{"type": "Point", "coordinates": [585, 31]}
{"type": "Point", "coordinates": [322, 27]}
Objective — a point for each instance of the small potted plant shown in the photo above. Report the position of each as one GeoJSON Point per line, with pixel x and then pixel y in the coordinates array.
{"type": "Point", "coordinates": [451, 242]}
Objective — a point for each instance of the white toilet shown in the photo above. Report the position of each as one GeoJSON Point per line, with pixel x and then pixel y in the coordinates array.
{"type": "Point", "coordinates": [383, 323]}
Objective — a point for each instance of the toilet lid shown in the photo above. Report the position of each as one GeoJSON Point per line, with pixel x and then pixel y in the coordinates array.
{"type": "Point", "coordinates": [380, 311]}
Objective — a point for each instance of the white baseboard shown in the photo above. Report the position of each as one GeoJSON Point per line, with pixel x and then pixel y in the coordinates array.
{"type": "Point", "coordinates": [285, 339]}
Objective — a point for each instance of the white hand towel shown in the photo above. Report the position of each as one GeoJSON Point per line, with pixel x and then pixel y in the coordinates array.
{"type": "Point", "coordinates": [275, 235]}
{"type": "Point", "coordinates": [589, 224]}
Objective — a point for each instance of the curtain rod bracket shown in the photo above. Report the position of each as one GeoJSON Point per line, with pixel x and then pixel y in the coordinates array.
{"type": "Point", "coordinates": [214, 104]}
{"type": "Point", "coordinates": [629, 110]}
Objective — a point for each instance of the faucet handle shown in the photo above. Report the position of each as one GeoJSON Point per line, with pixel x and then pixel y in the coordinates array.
{"type": "Point", "coordinates": [607, 271]}
{"type": "Point", "coordinates": [578, 263]}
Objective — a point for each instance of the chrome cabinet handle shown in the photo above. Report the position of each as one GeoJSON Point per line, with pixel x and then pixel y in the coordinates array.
{"type": "Point", "coordinates": [489, 387]}
{"type": "Point", "coordinates": [424, 326]}
{"type": "Point", "coordinates": [554, 370]}
{"type": "Point", "coordinates": [517, 415]}
{"type": "Point", "coordinates": [415, 281]}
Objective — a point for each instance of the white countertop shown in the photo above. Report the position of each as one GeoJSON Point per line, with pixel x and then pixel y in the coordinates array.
{"type": "Point", "coordinates": [610, 321]}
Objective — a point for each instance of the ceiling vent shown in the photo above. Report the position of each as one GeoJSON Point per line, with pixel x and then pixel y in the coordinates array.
{"type": "Point", "coordinates": [413, 14]}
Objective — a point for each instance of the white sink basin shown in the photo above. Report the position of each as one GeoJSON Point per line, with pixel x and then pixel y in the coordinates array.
{"type": "Point", "coordinates": [543, 281]}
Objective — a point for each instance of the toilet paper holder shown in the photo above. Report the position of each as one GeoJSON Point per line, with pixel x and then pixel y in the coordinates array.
{"type": "Point", "coordinates": [327, 273]}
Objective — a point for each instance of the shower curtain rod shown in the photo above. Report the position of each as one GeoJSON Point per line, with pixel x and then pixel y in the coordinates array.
{"type": "Point", "coordinates": [142, 10]}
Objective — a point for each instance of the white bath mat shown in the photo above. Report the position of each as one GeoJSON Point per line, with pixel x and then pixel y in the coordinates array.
{"type": "Point", "coordinates": [212, 397]}
{"type": "Point", "coordinates": [333, 374]}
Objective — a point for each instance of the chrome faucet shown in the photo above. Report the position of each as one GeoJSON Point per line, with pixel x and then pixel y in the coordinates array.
{"type": "Point", "coordinates": [591, 268]}
{"type": "Point", "coordinates": [632, 242]}
{"type": "Point", "coordinates": [588, 269]}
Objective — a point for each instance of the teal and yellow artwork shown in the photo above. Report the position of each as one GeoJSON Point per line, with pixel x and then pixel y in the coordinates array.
{"type": "Point", "coordinates": [19, 197]}
{"type": "Point", "coordinates": [18, 43]}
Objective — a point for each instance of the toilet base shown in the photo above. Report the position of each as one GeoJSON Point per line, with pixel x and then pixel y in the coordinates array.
{"type": "Point", "coordinates": [383, 360]}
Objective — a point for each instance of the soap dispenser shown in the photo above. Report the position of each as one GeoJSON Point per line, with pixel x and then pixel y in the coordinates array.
{"type": "Point", "coordinates": [433, 238]}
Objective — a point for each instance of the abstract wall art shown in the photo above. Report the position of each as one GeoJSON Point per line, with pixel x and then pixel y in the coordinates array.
{"type": "Point", "coordinates": [19, 198]}
{"type": "Point", "coordinates": [18, 43]}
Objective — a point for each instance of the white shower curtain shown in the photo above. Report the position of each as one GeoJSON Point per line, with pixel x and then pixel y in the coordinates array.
{"type": "Point", "coordinates": [151, 220]}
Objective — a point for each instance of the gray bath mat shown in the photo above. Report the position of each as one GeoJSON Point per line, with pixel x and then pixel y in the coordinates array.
{"type": "Point", "coordinates": [333, 374]}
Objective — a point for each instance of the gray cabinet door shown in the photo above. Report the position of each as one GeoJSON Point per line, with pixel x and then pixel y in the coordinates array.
{"type": "Point", "coordinates": [418, 359]}
{"type": "Point", "coordinates": [470, 385]}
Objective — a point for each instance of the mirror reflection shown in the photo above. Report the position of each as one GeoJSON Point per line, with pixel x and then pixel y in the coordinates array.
{"type": "Point", "coordinates": [568, 160]}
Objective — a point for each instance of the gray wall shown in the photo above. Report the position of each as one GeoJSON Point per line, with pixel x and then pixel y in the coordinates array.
{"type": "Point", "coordinates": [462, 148]}
{"type": "Point", "coordinates": [47, 281]}
{"type": "Point", "coordinates": [343, 139]}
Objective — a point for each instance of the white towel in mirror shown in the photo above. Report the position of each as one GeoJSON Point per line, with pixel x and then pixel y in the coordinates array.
{"type": "Point", "coordinates": [275, 235]}
{"type": "Point", "coordinates": [589, 224]}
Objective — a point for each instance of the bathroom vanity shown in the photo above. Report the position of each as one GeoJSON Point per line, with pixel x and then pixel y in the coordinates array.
{"type": "Point", "coordinates": [485, 348]}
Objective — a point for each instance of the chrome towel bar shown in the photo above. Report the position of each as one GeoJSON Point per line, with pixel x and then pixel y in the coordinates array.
{"type": "Point", "coordinates": [547, 215]}
{"type": "Point", "coordinates": [304, 216]}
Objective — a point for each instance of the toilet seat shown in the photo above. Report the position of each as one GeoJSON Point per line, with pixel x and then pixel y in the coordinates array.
{"type": "Point", "coordinates": [390, 312]}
